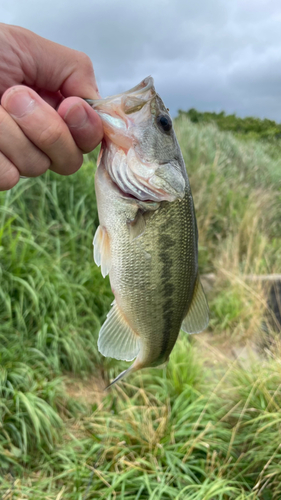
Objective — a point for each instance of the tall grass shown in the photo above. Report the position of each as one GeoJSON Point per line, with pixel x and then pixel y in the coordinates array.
{"type": "Point", "coordinates": [237, 190]}
{"type": "Point", "coordinates": [205, 427]}
{"type": "Point", "coordinates": [237, 193]}
{"type": "Point", "coordinates": [52, 301]}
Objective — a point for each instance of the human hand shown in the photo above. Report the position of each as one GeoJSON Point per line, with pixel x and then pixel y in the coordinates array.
{"type": "Point", "coordinates": [42, 124]}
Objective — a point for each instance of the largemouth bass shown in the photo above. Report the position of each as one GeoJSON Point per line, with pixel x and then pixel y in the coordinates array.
{"type": "Point", "coordinates": [147, 240]}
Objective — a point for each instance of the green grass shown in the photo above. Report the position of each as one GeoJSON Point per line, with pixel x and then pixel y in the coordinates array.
{"type": "Point", "coordinates": [249, 127]}
{"type": "Point", "coordinates": [235, 185]}
{"type": "Point", "coordinates": [204, 428]}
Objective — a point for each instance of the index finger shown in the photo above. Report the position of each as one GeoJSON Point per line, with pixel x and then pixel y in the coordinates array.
{"type": "Point", "coordinates": [54, 67]}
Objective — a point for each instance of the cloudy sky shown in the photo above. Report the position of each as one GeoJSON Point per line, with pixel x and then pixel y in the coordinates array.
{"type": "Point", "coordinates": [209, 54]}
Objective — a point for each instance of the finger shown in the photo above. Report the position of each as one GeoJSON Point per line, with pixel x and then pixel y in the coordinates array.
{"type": "Point", "coordinates": [9, 174]}
{"type": "Point", "coordinates": [43, 126]}
{"type": "Point", "coordinates": [53, 67]}
{"type": "Point", "coordinates": [52, 98]}
{"type": "Point", "coordinates": [26, 157]}
{"type": "Point", "coordinates": [84, 123]}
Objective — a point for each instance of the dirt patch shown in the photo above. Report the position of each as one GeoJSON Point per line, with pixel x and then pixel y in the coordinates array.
{"type": "Point", "coordinates": [88, 391]}
{"type": "Point", "coordinates": [220, 349]}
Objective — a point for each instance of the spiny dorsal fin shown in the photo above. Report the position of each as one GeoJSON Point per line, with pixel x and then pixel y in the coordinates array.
{"type": "Point", "coordinates": [197, 317]}
{"type": "Point", "coordinates": [116, 338]}
{"type": "Point", "coordinates": [102, 250]}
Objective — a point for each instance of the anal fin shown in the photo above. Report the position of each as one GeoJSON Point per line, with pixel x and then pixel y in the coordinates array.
{"type": "Point", "coordinates": [197, 317]}
{"type": "Point", "coordinates": [116, 338]}
{"type": "Point", "coordinates": [102, 250]}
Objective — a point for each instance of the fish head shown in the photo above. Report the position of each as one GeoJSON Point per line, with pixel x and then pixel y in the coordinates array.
{"type": "Point", "coordinates": [140, 150]}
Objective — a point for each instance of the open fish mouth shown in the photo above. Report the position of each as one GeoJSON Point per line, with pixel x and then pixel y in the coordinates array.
{"type": "Point", "coordinates": [124, 117]}
{"type": "Point", "coordinates": [144, 86]}
{"type": "Point", "coordinates": [120, 112]}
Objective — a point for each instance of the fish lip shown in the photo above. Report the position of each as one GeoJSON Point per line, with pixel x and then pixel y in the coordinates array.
{"type": "Point", "coordinates": [145, 85]}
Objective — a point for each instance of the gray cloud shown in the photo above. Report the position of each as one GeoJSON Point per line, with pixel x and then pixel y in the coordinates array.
{"type": "Point", "coordinates": [209, 54]}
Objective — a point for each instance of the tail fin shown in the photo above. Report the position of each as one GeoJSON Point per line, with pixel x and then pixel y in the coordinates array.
{"type": "Point", "coordinates": [121, 375]}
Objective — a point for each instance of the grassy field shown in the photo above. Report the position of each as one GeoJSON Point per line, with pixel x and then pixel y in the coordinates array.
{"type": "Point", "coordinates": [206, 427]}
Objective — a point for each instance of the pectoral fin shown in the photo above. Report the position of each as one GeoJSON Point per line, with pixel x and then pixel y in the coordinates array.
{"type": "Point", "coordinates": [136, 226]}
{"type": "Point", "coordinates": [197, 317]}
{"type": "Point", "coordinates": [116, 338]}
{"type": "Point", "coordinates": [102, 250]}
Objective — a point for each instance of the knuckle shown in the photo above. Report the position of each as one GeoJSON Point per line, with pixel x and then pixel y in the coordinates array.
{"type": "Point", "coordinates": [50, 136]}
{"type": "Point", "coordinates": [36, 165]}
{"type": "Point", "coordinates": [86, 62]}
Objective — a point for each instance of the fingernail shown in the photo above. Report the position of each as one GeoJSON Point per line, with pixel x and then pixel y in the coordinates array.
{"type": "Point", "coordinates": [76, 116]}
{"type": "Point", "coordinates": [19, 104]}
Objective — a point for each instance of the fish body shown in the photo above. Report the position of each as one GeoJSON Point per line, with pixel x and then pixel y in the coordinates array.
{"type": "Point", "coordinates": [147, 240]}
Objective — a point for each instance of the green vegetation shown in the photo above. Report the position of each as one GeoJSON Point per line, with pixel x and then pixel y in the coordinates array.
{"type": "Point", "coordinates": [206, 427]}
{"type": "Point", "coordinates": [254, 128]}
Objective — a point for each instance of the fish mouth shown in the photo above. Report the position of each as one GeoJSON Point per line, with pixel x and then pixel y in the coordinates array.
{"type": "Point", "coordinates": [122, 114]}
{"type": "Point", "coordinates": [144, 86]}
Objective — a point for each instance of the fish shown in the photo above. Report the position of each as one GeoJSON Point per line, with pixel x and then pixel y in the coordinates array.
{"type": "Point", "coordinates": [147, 240]}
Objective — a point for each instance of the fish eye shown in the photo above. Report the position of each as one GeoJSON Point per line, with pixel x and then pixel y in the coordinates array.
{"type": "Point", "coordinates": [164, 122]}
